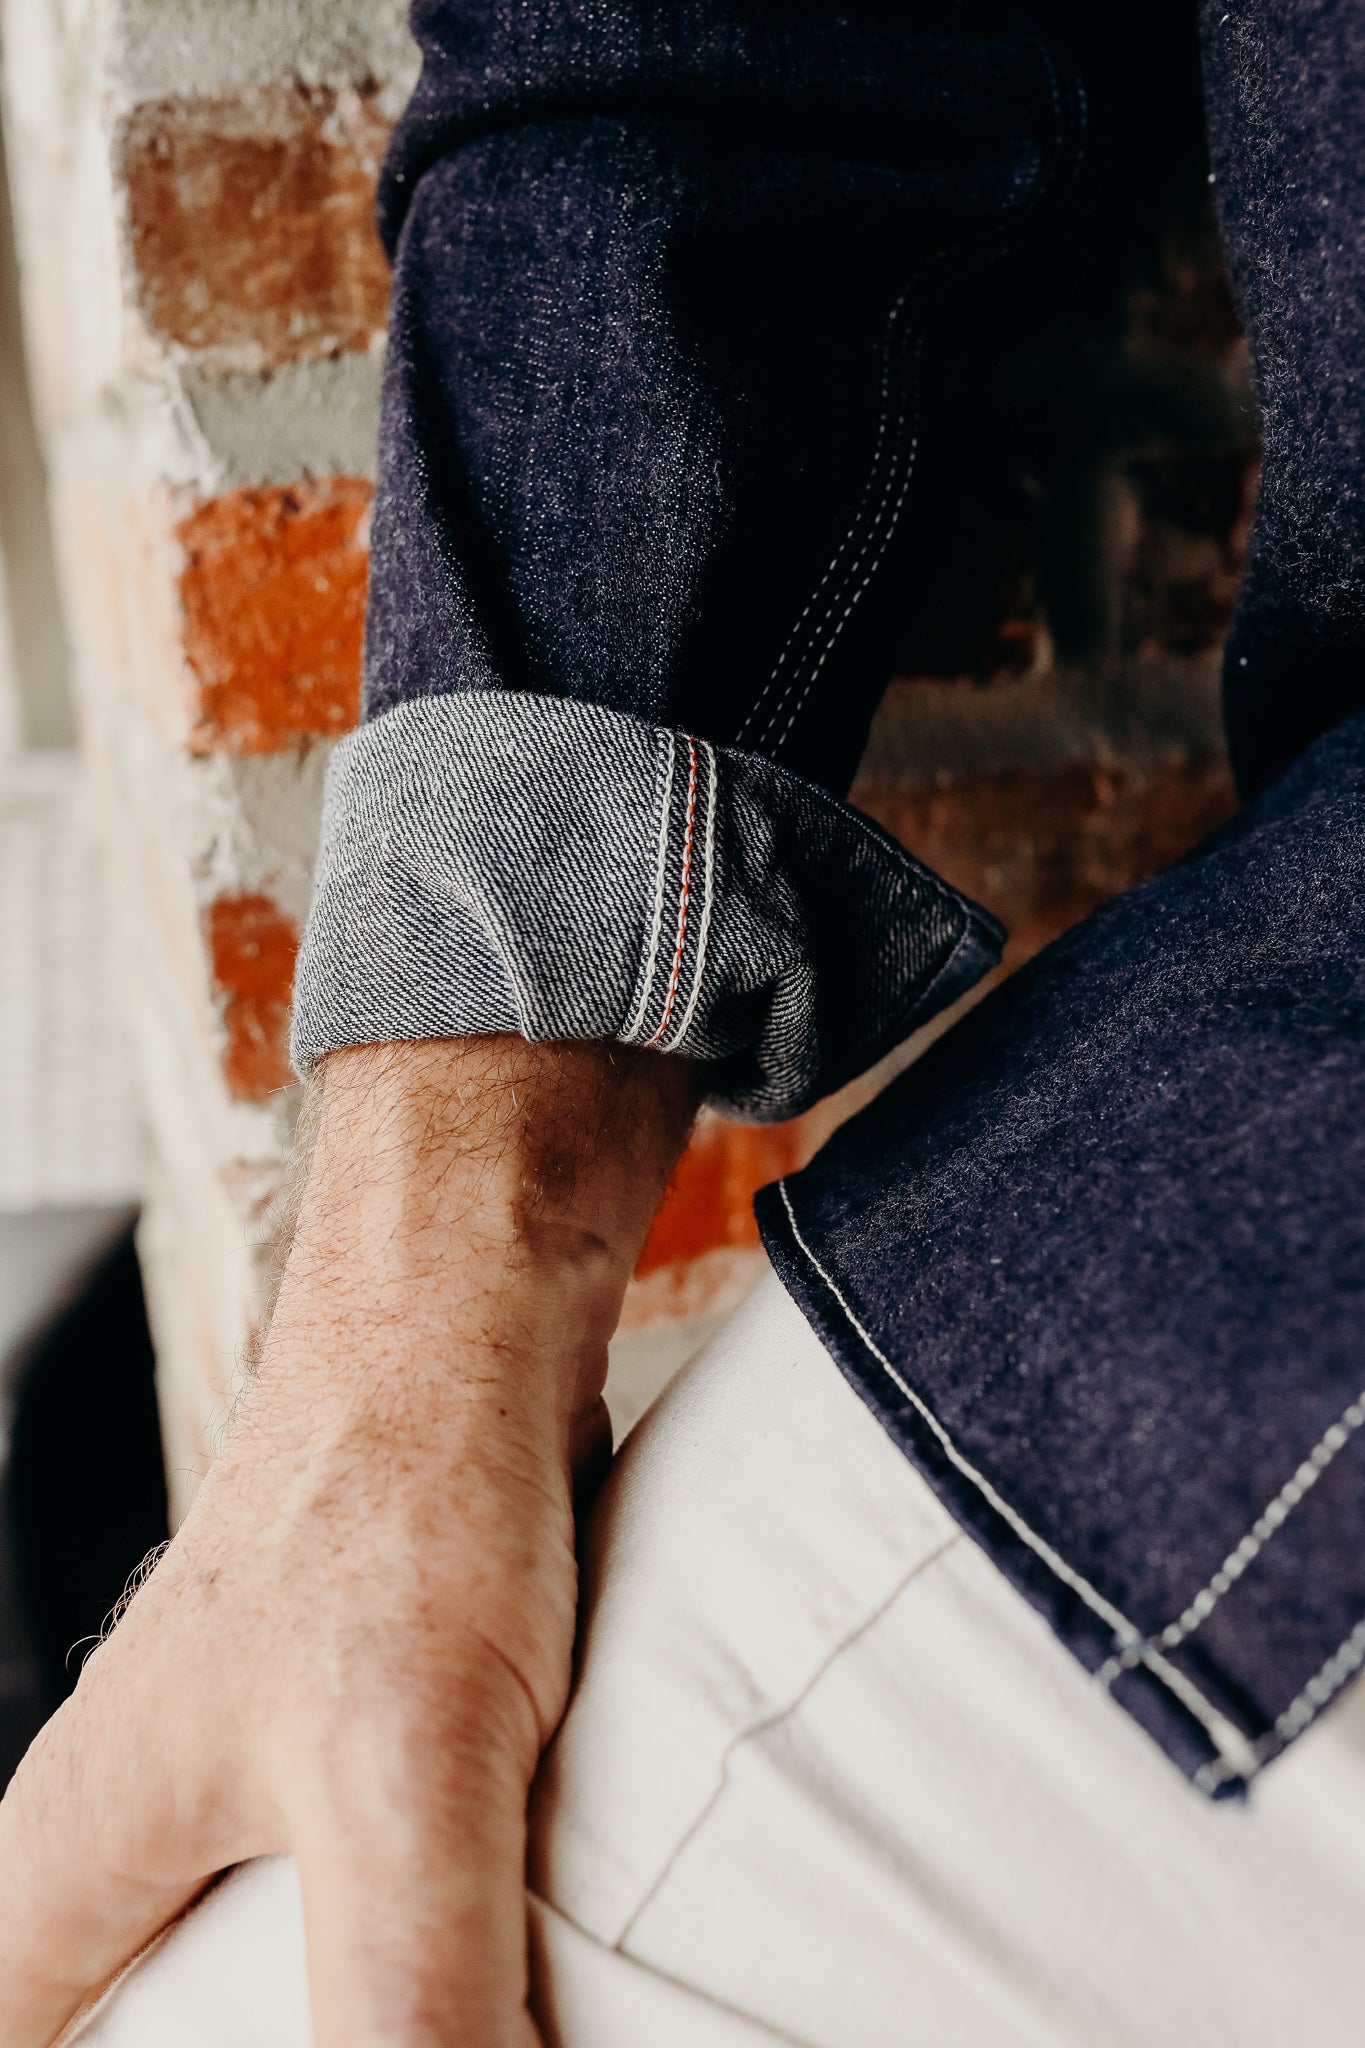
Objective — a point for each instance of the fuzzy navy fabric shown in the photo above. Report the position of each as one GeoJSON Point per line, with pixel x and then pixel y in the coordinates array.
{"type": "Point", "coordinates": [1109, 1231]}
{"type": "Point", "coordinates": [665, 276]}
{"type": "Point", "coordinates": [680, 292]}
{"type": "Point", "coordinates": [1286, 101]}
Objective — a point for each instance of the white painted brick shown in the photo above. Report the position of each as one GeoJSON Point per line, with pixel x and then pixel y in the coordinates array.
{"type": "Point", "coordinates": [160, 48]}
{"type": "Point", "coordinates": [66, 213]}
{"type": "Point", "coordinates": [70, 1134]}
{"type": "Point", "coordinates": [127, 423]}
{"type": "Point", "coordinates": [304, 419]}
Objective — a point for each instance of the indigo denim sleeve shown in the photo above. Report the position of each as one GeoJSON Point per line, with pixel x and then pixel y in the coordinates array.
{"type": "Point", "coordinates": [1285, 94]}
{"type": "Point", "coordinates": [665, 275]}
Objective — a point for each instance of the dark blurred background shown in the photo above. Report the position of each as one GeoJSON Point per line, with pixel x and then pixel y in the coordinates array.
{"type": "Point", "coordinates": [84, 1493]}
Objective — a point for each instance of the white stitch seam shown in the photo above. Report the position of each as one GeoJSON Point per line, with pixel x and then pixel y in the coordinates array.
{"type": "Point", "coordinates": [637, 1022]}
{"type": "Point", "coordinates": [1001, 247]}
{"type": "Point", "coordinates": [681, 1030]}
{"type": "Point", "coordinates": [774, 1716]}
{"type": "Point", "coordinates": [1253, 1543]}
{"type": "Point", "coordinates": [1031, 205]}
{"type": "Point", "coordinates": [908, 384]}
{"type": "Point", "coordinates": [1275, 1516]}
{"type": "Point", "coordinates": [861, 516]}
{"type": "Point", "coordinates": [1304, 1708]}
{"type": "Point", "coordinates": [886, 521]}
{"type": "Point", "coordinates": [1228, 1740]}
{"type": "Point", "coordinates": [893, 519]}
{"type": "Point", "coordinates": [883, 414]}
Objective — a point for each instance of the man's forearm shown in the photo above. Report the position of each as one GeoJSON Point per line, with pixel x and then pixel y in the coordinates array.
{"type": "Point", "coordinates": [361, 1637]}
{"type": "Point", "coordinates": [445, 1180]}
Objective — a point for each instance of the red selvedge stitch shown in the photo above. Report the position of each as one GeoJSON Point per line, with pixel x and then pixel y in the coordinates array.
{"type": "Point", "coordinates": [672, 994]}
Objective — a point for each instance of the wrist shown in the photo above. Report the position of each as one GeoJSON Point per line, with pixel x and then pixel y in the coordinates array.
{"type": "Point", "coordinates": [541, 1147]}
{"type": "Point", "coordinates": [488, 1189]}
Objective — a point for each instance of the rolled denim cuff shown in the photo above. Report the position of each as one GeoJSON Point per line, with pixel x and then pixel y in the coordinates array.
{"type": "Point", "coordinates": [501, 862]}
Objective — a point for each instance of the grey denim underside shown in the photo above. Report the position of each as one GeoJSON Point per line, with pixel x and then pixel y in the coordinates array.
{"type": "Point", "coordinates": [498, 862]}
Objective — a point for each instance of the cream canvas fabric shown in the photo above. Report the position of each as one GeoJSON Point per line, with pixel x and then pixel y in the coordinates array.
{"type": "Point", "coordinates": [827, 1781]}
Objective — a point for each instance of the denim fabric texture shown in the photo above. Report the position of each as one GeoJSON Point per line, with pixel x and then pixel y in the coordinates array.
{"type": "Point", "coordinates": [663, 282]}
{"type": "Point", "coordinates": [678, 288]}
{"type": "Point", "coordinates": [474, 878]}
{"type": "Point", "coordinates": [1286, 104]}
{"type": "Point", "coordinates": [665, 272]}
{"type": "Point", "coordinates": [1098, 1261]}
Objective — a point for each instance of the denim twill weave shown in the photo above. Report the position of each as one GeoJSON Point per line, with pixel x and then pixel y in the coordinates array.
{"type": "Point", "coordinates": [535, 865]}
{"type": "Point", "coordinates": [1098, 1261]}
{"type": "Point", "coordinates": [684, 330]}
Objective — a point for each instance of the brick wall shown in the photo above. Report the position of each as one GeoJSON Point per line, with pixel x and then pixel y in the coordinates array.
{"type": "Point", "coordinates": [205, 302]}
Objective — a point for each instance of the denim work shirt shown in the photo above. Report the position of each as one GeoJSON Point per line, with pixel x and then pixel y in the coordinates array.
{"type": "Point", "coordinates": [676, 288]}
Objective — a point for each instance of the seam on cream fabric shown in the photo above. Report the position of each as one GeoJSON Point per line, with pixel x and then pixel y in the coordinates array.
{"type": "Point", "coordinates": [774, 1719]}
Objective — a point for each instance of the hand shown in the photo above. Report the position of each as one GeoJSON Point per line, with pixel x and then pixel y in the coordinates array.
{"type": "Point", "coordinates": [359, 1642]}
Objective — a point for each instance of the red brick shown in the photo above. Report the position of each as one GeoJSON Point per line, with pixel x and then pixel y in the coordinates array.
{"type": "Point", "coordinates": [272, 601]}
{"type": "Point", "coordinates": [710, 1197]}
{"type": "Point", "coordinates": [251, 947]}
{"type": "Point", "coordinates": [1044, 847]}
{"type": "Point", "coordinates": [250, 221]}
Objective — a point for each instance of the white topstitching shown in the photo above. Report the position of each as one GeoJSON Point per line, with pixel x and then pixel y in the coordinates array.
{"type": "Point", "coordinates": [1232, 1746]}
